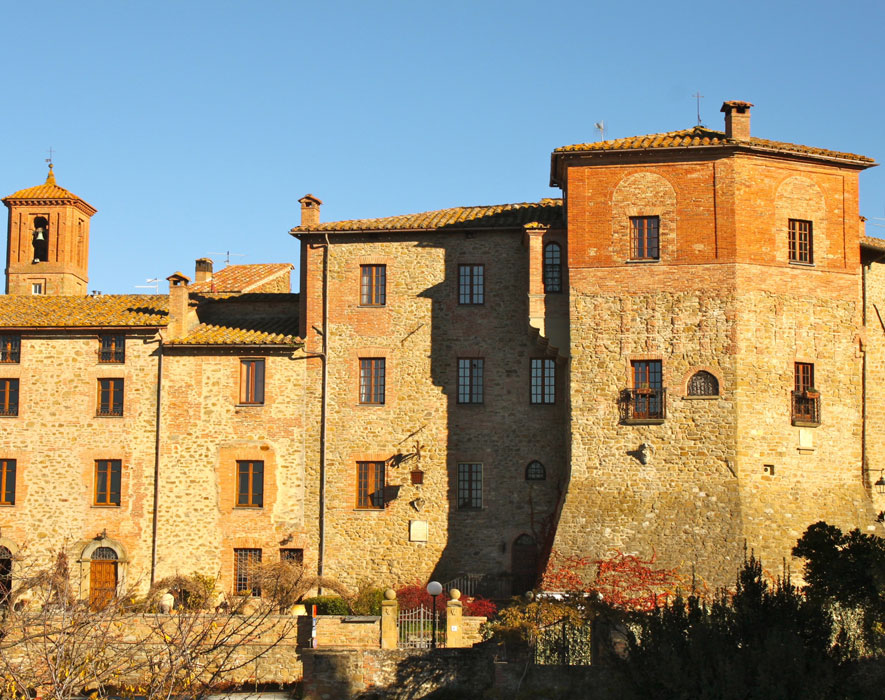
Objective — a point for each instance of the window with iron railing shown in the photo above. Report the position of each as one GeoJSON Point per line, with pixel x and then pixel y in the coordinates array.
{"type": "Point", "coordinates": [112, 348]}
{"type": "Point", "coordinates": [646, 401]}
{"type": "Point", "coordinates": [110, 397]}
{"type": "Point", "coordinates": [8, 397]}
{"type": "Point", "coordinates": [10, 348]}
{"type": "Point", "coordinates": [246, 564]}
{"type": "Point", "coordinates": [805, 398]}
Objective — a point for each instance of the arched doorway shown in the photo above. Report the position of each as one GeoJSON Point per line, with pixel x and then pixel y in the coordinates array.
{"type": "Point", "coordinates": [5, 575]}
{"type": "Point", "coordinates": [523, 564]}
{"type": "Point", "coordinates": [102, 577]}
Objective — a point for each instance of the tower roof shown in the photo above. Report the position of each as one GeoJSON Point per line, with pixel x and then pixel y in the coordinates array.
{"type": "Point", "coordinates": [48, 190]}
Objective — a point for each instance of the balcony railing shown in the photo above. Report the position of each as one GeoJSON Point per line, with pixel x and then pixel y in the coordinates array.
{"type": "Point", "coordinates": [805, 408]}
{"type": "Point", "coordinates": [644, 405]}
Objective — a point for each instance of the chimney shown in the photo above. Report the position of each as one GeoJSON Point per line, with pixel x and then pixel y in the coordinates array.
{"type": "Point", "coordinates": [737, 119]}
{"type": "Point", "coordinates": [178, 306]}
{"type": "Point", "coordinates": [310, 210]}
{"type": "Point", "coordinates": [203, 271]}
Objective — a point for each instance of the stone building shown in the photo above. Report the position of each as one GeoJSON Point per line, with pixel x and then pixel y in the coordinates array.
{"type": "Point", "coordinates": [681, 355]}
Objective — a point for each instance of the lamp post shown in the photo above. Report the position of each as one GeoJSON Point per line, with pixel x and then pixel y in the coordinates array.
{"type": "Point", "coordinates": [434, 588]}
{"type": "Point", "coordinates": [880, 482]}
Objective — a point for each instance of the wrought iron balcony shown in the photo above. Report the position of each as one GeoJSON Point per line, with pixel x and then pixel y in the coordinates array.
{"type": "Point", "coordinates": [643, 406]}
{"type": "Point", "coordinates": [806, 408]}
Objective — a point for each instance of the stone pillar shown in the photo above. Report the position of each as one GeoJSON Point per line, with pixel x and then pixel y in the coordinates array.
{"type": "Point", "coordinates": [389, 622]}
{"type": "Point", "coordinates": [454, 629]}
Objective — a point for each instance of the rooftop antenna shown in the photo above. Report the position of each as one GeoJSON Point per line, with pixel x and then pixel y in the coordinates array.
{"type": "Point", "coordinates": [228, 255]}
{"type": "Point", "coordinates": [152, 283]}
{"type": "Point", "coordinates": [698, 97]}
{"type": "Point", "coordinates": [600, 127]}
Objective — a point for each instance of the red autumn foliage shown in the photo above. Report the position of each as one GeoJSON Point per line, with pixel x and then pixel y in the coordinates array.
{"type": "Point", "coordinates": [415, 595]}
{"type": "Point", "coordinates": [623, 580]}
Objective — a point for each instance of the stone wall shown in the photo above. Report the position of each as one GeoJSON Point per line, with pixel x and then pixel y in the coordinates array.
{"type": "Point", "coordinates": [421, 332]}
{"type": "Point", "coordinates": [347, 631]}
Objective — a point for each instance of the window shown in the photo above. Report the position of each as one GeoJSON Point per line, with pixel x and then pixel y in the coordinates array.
{"type": "Point", "coordinates": [112, 348]}
{"type": "Point", "coordinates": [246, 561]}
{"type": "Point", "coordinates": [107, 482]}
{"type": "Point", "coordinates": [801, 242]}
{"type": "Point", "coordinates": [372, 380]}
{"type": "Point", "coordinates": [36, 288]}
{"type": "Point", "coordinates": [373, 285]}
{"type": "Point", "coordinates": [535, 471]}
{"type": "Point", "coordinates": [250, 484]}
{"type": "Point", "coordinates": [10, 348]}
{"type": "Point", "coordinates": [648, 394]}
{"type": "Point", "coordinates": [703, 384]}
{"type": "Point", "coordinates": [251, 381]}
{"type": "Point", "coordinates": [295, 557]}
{"type": "Point", "coordinates": [543, 380]}
{"type": "Point", "coordinates": [469, 486]}
{"type": "Point", "coordinates": [470, 284]}
{"type": "Point", "coordinates": [552, 268]}
{"type": "Point", "coordinates": [110, 397]}
{"type": "Point", "coordinates": [806, 398]}
{"type": "Point", "coordinates": [370, 485]}
{"type": "Point", "coordinates": [645, 237]}
{"type": "Point", "coordinates": [8, 397]}
{"type": "Point", "coordinates": [470, 380]}
{"type": "Point", "coordinates": [7, 482]}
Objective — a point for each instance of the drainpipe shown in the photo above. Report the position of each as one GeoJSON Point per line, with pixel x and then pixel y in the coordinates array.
{"type": "Point", "coordinates": [323, 413]}
{"type": "Point", "coordinates": [156, 462]}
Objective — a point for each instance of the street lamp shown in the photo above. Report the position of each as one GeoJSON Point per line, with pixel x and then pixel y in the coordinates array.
{"type": "Point", "coordinates": [434, 588]}
{"type": "Point", "coordinates": [880, 482]}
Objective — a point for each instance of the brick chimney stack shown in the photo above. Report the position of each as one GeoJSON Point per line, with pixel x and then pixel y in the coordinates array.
{"type": "Point", "coordinates": [737, 119]}
{"type": "Point", "coordinates": [310, 210]}
{"type": "Point", "coordinates": [203, 271]}
{"type": "Point", "coordinates": [178, 306]}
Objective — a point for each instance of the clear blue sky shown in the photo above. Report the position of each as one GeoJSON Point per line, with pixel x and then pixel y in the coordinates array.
{"type": "Point", "coordinates": [194, 127]}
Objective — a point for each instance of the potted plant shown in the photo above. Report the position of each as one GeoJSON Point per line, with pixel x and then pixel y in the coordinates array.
{"type": "Point", "coordinates": [811, 393]}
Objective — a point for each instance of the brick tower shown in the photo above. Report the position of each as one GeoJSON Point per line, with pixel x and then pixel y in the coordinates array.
{"type": "Point", "coordinates": [47, 248]}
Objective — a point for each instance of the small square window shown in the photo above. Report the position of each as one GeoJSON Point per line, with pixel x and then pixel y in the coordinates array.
{"type": "Point", "coordinates": [370, 480]}
{"type": "Point", "coordinates": [246, 563]}
{"type": "Point", "coordinates": [107, 482]}
{"type": "Point", "coordinates": [10, 348]}
{"type": "Point", "coordinates": [801, 241]}
{"type": "Point", "coordinates": [372, 380]}
{"type": "Point", "coordinates": [8, 397]}
{"type": "Point", "coordinates": [645, 237]}
{"type": "Point", "coordinates": [110, 397]}
{"type": "Point", "coordinates": [251, 381]}
{"type": "Point", "coordinates": [470, 380]}
{"type": "Point", "coordinates": [250, 484]}
{"type": "Point", "coordinates": [36, 288]}
{"type": "Point", "coordinates": [471, 281]}
{"type": "Point", "coordinates": [373, 285]}
{"type": "Point", "coordinates": [112, 348]}
{"type": "Point", "coordinates": [7, 482]}
{"type": "Point", "coordinates": [469, 486]}
{"type": "Point", "coordinates": [292, 556]}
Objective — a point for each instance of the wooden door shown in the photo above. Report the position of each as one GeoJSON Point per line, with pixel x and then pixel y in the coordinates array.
{"type": "Point", "coordinates": [102, 583]}
{"type": "Point", "coordinates": [524, 564]}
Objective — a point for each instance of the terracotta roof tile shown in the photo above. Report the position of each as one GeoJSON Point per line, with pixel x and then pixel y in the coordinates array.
{"type": "Point", "coordinates": [123, 310]}
{"type": "Point", "coordinates": [872, 242]}
{"type": "Point", "coordinates": [241, 278]}
{"type": "Point", "coordinates": [699, 136]}
{"type": "Point", "coordinates": [245, 319]}
{"type": "Point", "coordinates": [547, 211]}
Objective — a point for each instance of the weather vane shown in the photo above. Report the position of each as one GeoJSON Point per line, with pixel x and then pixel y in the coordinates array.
{"type": "Point", "coordinates": [49, 160]}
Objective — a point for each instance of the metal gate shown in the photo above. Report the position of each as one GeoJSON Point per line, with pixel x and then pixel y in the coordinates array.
{"type": "Point", "coordinates": [416, 628]}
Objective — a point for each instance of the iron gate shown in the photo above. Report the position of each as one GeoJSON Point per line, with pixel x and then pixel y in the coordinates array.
{"type": "Point", "coordinates": [416, 628]}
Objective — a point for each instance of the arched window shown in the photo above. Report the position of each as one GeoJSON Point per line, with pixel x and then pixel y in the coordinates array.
{"type": "Point", "coordinates": [552, 268]}
{"type": "Point", "coordinates": [41, 239]}
{"type": "Point", "coordinates": [5, 575]}
{"type": "Point", "coordinates": [102, 577]}
{"type": "Point", "coordinates": [703, 384]}
{"type": "Point", "coordinates": [535, 471]}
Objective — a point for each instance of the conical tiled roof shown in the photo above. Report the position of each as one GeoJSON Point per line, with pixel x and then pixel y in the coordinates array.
{"type": "Point", "coordinates": [48, 190]}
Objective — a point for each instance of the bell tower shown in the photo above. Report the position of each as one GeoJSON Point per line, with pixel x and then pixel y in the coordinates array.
{"type": "Point", "coordinates": [47, 247]}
